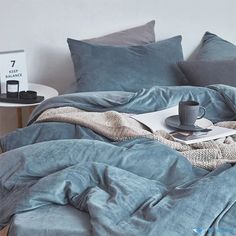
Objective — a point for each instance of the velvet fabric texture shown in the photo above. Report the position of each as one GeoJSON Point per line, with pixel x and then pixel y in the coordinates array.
{"type": "Point", "coordinates": [108, 68]}
{"type": "Point", "coordinates": [74, 185]}
{"type": "Point", "coordinates": [139, 35]}
{"type": "Point", "coordinates": [202, 73]}
{"type": "Point", "coordinates": [214, 48]}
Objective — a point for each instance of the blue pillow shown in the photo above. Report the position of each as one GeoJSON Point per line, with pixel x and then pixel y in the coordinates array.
{"type": "Point", "coordinates": [214, 48]}
{"type": "Point", "coordinates": [110, 68]}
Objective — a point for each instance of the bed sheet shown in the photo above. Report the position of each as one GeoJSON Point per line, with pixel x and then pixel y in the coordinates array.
{"type": "Point", "coordinates": [52, 220]}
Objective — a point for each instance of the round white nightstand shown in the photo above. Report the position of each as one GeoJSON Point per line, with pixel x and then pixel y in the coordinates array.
{"type": "Point", "coordinates": [42, 90]}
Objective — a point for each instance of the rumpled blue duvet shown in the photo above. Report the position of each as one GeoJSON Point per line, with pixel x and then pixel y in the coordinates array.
{"type": "Point", "coordinates": [134, 187]}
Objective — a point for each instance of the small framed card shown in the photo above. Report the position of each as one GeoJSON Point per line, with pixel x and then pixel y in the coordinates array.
{"type": "Point", "coordinates": [13, 67]}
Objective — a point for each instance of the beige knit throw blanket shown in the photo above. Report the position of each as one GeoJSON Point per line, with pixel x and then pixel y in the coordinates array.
{"type": "Point", "coordinates": [120, 126]}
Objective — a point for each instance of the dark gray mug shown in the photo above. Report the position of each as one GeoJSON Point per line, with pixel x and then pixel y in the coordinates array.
{"type": "Point", "coordinates": [189, 112]}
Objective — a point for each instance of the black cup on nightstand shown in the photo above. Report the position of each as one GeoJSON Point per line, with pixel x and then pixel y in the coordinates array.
{"type": "Point", "coordinates": [12, 88]}
{"type": "Point", "coordinates": [189, 112]}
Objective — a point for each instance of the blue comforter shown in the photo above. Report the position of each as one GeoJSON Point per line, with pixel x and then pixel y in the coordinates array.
{"type": "Point", "coordinates": [135, 187]}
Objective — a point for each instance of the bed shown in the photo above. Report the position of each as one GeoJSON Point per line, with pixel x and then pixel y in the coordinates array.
{"type": "Point", "coordinates": [82, 166]}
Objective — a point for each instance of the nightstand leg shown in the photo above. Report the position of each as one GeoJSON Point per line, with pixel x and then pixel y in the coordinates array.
{"type": "Point", "coordinates": [4, 231]}
{"type": "Point", "coordinates": [19, 117]}
{"type": "Point", "coordinates": [31, 109]}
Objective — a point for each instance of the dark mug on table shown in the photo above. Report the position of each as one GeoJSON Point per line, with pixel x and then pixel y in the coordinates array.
{"type": "Point", "coordinates": [189, 112]}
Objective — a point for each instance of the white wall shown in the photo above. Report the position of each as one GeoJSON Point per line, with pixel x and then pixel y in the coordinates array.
{"type": "Point", "coordinates": [42, 26]}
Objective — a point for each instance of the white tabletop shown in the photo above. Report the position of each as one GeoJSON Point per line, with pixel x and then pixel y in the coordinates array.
{"type": "Point", "coordinates": [42, 90]}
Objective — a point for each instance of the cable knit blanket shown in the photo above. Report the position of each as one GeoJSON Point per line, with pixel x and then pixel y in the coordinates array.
{"type": "Point", "coordinates": [120, 126]}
